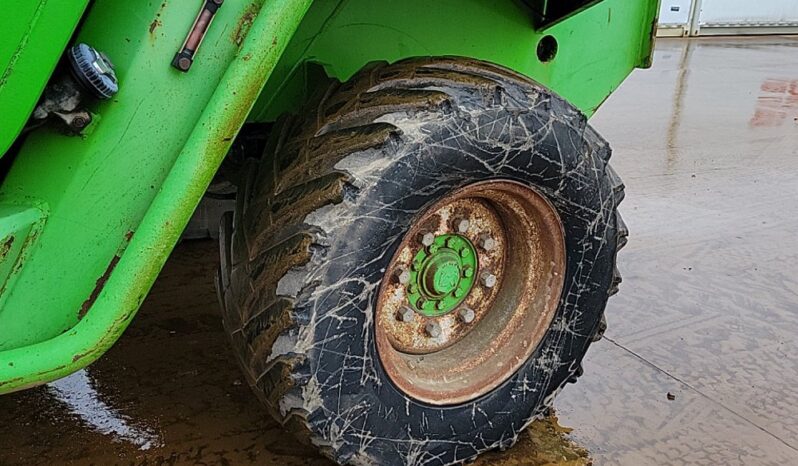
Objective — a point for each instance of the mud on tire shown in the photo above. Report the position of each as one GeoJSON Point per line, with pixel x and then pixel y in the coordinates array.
{"type": "Point", "coordinates": [320, 215]}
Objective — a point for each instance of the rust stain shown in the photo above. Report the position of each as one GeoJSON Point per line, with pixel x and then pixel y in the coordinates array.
{"type": "Point", "coordinates": [778, 99]}
{"type": "Point", "coordinates": [6, 247]}
{"type": "Point", "coordinates": [155, 24]}
{"type": "Point", "coordinates": [98, 287]}
{"type": "Point", "coordinates": [245, 22]}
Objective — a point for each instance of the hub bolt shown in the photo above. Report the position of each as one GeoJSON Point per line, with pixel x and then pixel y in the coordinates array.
{"type": "Point", "coordinates": [433, 329]}
{"type": "Point", "coordinates": [461, 225]}
{"type": "Point", "coordinates": [402, 275]}
{"type": "Point", "coordinates": [427, 238]}
{"type": "Point", "coordinates": [466, 315]}
{"type": "Point", "coordinates": [406, 315]}
{"type": "Point", "coordinates": [486, 242]}
{"type": "Point", "coordinates": [487, 279]}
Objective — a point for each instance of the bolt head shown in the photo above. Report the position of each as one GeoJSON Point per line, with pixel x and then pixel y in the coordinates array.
{"type": "Point", "coordinates": [427, 238]}
{"type": "Point", "coordinates": [402, 275]}
{"type": "Point", "coordinates": [433, 329]}
{"type": "Point", "coordinates": [487, 279]}
{"type": "Point", "coordinates": [406, 315]}
{"type": "Point", "coordinates": [466, 315]}
{"type": "Point", "coordinates": [461, 225]}
{"type": "Point", "coordinates": [79, 122]}
{"type": "Point", "coordinates": [487, 242]}
{"type": "Point", "coordinates": [184, 63]}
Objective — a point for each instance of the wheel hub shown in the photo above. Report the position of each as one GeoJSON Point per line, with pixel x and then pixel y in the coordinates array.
{"type": "Point", "coordinates": [470, 291]}
{"type": "Point", "coordinates": [441, 275]}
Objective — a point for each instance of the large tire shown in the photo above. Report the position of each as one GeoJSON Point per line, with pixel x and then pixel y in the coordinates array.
{"type": "Point", "coordinates": [320, 215]}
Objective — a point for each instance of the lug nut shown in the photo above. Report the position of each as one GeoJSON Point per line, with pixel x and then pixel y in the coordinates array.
{"type": "Point", "coordinates": [466, 315]}
{"type": "Point", "coordinates": [486, 242]}
{"type": "Point", "coordinates": [402, 275]}
{"type": "Point", "coordinates": [406, 315]}
{"type": "Point", "coordinates": [487, 279]}
{"type": "Point", "coordinates": [433, 329]}
{"type": "Point", "coordinates": [427, 238]}
{"type": "Point", "coordinates": [461, 225]}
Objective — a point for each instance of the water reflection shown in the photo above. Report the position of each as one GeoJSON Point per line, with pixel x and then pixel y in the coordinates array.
{"type": "Point", "coordinates": [79, 394]}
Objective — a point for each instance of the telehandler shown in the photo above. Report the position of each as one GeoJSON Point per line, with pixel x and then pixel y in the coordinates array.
{"type": "Point", "coordinates": [425, 228]}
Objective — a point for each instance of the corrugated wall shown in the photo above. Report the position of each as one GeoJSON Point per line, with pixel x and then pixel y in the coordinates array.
{"type": "Point", "coordinates": [713, 17]}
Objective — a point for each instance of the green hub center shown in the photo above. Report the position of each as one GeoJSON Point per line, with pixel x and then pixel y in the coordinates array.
{"type": "Point", "coordinates": [442, 274]}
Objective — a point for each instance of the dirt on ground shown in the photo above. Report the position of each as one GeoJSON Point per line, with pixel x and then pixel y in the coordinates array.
{"type": "Point", "coordinates": [169, 393]}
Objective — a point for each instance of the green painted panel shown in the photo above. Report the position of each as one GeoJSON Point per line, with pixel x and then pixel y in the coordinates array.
{"type": "Point", "coordinates": [119, 198]}
{"type": "Point", "coordinates": [597, 48]}
{"type": "Point", "coordinates": [19, 230]}
{"type": "Point", "coordinates": [35, 34]}
{"type": "Point", "coordinates": [98, 187]}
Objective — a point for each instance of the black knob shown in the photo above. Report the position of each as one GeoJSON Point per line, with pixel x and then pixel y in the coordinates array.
{"type": "Point", "coordinates": [93, 70]}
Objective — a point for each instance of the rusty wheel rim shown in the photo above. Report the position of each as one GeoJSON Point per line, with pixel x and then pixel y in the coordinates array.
{"type": "Point", "coordinates": [456, 353]}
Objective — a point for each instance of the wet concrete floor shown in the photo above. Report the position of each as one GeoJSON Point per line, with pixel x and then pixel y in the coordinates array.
{"type": "Point", "coordinates": [698, 365]}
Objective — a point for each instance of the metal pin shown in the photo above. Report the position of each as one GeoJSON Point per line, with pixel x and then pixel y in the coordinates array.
{"type": "Point", "coordinates": [402, 275]}
{"type": "Point", "coordinates": [486, 242]}
{"type": "Point", "coordinates": [185, 57]}
{"type": "Point", "coordinates": [406, 315]}
{"type": "Point", "coordinates": [461, 225]}
{"type": "Point", "coordinates": [487, 279]}
{"type": "Point", "coordinates": [466, 315]}
{"type": "Point", "coordinates": [427, 238]}
{"type": "Point", "coordinates": [433, 329]}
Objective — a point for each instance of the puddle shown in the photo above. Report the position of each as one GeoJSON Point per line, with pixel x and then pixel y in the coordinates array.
{"type": "Point", "coordinates": [545, 442]}
{"type": "Point", "coordinates": [78, 393]}
{"type": "Point", "coordinates": [169, 392]}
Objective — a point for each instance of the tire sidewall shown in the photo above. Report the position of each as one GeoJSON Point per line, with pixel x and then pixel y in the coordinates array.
{"type": "Point", "coordinates": [363, 411]}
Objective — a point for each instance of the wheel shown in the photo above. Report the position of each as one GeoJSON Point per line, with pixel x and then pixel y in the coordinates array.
{"type": "Point", "coordinates": [418, 264]}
